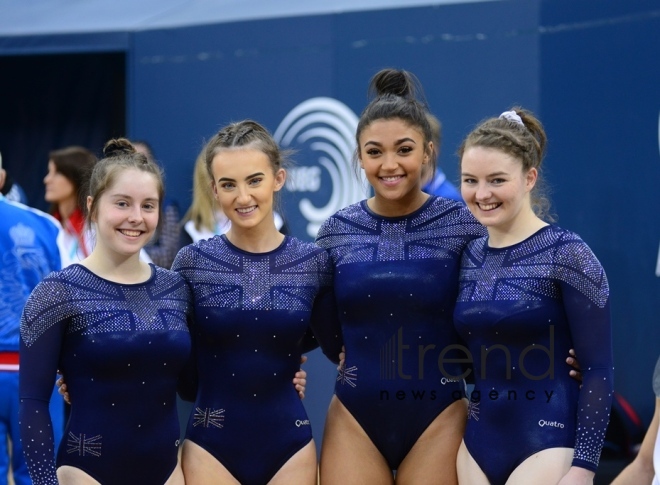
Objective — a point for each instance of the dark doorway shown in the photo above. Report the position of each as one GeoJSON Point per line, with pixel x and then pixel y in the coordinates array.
{"type": "Point", "coordinates": [53, 101]}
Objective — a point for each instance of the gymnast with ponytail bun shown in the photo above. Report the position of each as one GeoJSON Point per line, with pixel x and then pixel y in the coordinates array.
{"type": "Point", "coordinates": [529, 292]}
{"type": "Point", "coordinates": [399, 400]}
{"type": "Point", "coordinates": [117, 328]}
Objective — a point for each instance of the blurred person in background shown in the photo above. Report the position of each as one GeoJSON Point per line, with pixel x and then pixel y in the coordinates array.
{"type": "Point", "coordinates": [68, 173]}
{"type": "Point", "coordinates": [204, 218]}
{"type": "Point", "coordinates": [436, 183]}
{"type": "Point", "coordinates": [28, 252]}
{"type": "Point", "coordinates": [163, 247]}
{"type": "Point", "coordinates": [11, 190]}
{"type": "Point", "coordinates": [645, 468]}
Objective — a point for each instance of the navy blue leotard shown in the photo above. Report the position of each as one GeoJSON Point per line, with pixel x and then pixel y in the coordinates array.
{"type": "Point", "coordinates": [396, 282]}
{"type": "Point", "coordinates": [251, 313]}
{"type": "Point", "coordinates": [122, 348]}
{"type": "Point", "coordinates": [520, 309]}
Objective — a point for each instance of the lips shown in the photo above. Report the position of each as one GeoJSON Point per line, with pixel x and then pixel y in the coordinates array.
{"type": "Point", "coordinates": [391, 179]}
{"type": "Point", "coordinates": [246, 210]}
{"type": "Point", "coordinates": [489, 207]}
{"type": "Point", "coordinates": [130, 233]}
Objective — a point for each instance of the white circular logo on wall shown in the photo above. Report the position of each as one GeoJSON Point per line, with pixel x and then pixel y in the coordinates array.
{"type": "Point", "coordinates": [322, 132]}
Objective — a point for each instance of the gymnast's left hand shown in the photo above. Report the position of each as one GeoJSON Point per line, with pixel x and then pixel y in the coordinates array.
{"type": "Point", "coordinates": [300, 379]}
{"type": "Point", "coordinates": [575, 372]}
{"type": "Point", "coordinates": [577, 476]}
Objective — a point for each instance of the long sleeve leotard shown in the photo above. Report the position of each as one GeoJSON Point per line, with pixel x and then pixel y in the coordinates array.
{"type": "Point", "coordinates": [121, 348]}
{"type": "Point", "coordinates": [396, 282]}
{"type": "Point", "coordinates": [520, 309]}
{"type": "Point", "coordinates": [251, 313]}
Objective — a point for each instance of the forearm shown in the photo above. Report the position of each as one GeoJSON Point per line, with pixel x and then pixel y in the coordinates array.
{"type": "Point", "coordinates": [639, 472]}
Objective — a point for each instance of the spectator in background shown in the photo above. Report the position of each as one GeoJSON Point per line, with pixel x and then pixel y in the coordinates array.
{"type": "Point", "coordinates": [11, 190]}
{"type": "Point", "coordinates": [645, 468]}
{"type": "Point", "coordinates": [204, 218]}
{"type": "Point", "coordinates": [68, 172]}
{"type": "Point", "coordinates": [28, 252]}
{"type": "Point", "coordinates": [436, 183]}
{"type": "Point", "coordinates": [163, 247]}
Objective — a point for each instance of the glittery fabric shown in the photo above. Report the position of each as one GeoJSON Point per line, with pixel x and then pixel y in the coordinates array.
{"type": "Point", "coordinates": [251, 312]}
{"type": "Point", "coordinates": [520, 309]}
{"type": "Point", "coordinates": [396, 281]}
{"type": "Point", "coordinates": [121, 349]}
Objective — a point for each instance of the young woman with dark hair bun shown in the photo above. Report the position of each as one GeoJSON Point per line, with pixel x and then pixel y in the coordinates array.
{"type": "Point", "coordinates": [399, 399]}
{"type": "Point", "coordinates": [117, 328]}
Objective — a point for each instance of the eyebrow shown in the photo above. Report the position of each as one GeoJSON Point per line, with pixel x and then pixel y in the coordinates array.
{"type": "Point", "coordinates": [227, 179]}
{"type": "Point", "coordinates": [396, 143]}
{"type": "Point", "coordinates": [126, 196]}
{"type": "Point", "coordinates": [494, 174]}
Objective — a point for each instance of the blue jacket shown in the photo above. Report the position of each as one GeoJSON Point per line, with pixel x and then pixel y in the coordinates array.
{"type": "Point", "coordinates": [28, 252]}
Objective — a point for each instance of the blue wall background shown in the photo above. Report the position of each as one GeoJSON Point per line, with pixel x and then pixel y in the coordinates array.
{"type": "Point", "coordinates": [589, 69]}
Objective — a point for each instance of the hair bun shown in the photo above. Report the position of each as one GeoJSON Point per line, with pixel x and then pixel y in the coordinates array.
{"type": "Point", "coordinates": [396, 82]}
{"type": "Point", "coordinates": [117, 147]}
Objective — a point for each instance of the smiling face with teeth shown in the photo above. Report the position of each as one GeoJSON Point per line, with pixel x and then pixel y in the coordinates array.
{"type": "Point", "coordinates": [496, 189]}
{"type": "Point", "coordinates": [392, 154]}
{"type": "Point", "coordinates": [244, 184]}
{"type": "Point", "coordinates": [126, 215]}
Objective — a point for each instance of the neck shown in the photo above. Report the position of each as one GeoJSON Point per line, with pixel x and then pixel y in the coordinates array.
{"type": "Point", "coordinates": [522, 227]}
{"type": "Point", "coordinates": [66, 208]}
{"type": "Point", "coordinates": [120, 269]}
{"type": "Point", "coordinates": [256, 239]}
{"type": "Point", "coordinates": [397, 207]}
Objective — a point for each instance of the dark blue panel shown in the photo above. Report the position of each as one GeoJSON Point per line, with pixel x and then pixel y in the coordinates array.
{"type": "Point", "coordinates": [64, 43]}
{"type": "Point", "coordinates": [50, 102]}
{"type": "Point", "coordinates": [600, 104]}
{"type": "Point", "coordinates": [473, 60]}
{"type": "Point", "coordinates": [189, 82]}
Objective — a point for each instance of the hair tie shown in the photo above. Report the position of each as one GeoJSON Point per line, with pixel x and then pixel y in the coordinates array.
{"type": "Point", "coordinates": [512, 116]}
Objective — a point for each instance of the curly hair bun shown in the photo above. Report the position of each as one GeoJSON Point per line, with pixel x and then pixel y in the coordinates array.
{"type": "Point", "coordinates": [117, 147]}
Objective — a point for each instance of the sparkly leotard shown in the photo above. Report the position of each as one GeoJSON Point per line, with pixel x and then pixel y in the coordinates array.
{"type": "Point", "coordinates": [520, 309]}
{"type": "Point", "coordinates": [251, 313]}
{"type": "Point", "coordinates": [121, 348]}
{"type": "Point", "coordinates": [396, 281]}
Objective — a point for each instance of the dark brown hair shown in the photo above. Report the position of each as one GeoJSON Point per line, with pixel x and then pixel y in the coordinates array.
{"type": "Point", "coordinates": [119, 155]}
{"type": "Point", "coordinates": [525, 142]}
{"type": "Point", "coordinates": [397, 94]}
{"type": "Point", "coordinates": [76, 164]}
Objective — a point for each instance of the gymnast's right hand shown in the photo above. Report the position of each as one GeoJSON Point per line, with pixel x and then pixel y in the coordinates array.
{"type": "Point", "coordinates": [342, 358]}
{"type": "Point", "coordinates": [61, 389]}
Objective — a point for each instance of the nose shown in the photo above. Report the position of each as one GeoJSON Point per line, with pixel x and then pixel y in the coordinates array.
{"type": "Point", "coordinates": [243, 195]}
{"type": "Point", "coordinates": [389, 162]}
{"type": "Point", "coordinates": [483, 192]}
{"type": "Point", "coordinates": [135, 215]}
